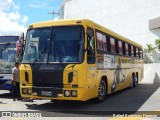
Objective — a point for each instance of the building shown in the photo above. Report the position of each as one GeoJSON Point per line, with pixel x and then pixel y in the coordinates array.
{"type": "Point", "coordinates": [137, 20]}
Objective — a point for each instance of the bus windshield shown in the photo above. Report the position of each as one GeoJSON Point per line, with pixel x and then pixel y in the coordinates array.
{"type": "Point", "coordinates": [7, 53]}
{"type": "Point", "coordinates": [54, 45]}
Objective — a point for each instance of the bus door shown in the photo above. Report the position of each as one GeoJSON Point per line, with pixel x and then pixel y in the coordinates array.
{"type": "Point", "coordinates": [91, 66]}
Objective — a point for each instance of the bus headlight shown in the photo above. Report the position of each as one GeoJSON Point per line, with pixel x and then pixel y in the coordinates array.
{"type": "Point", "coordinates": [67, 93]}
{"type": "Point", "coordinates": [74, 93]}
{"type": "Point", "coordinates": [24, 90]}
{"type": "Point", "coordinates": [29, 91]}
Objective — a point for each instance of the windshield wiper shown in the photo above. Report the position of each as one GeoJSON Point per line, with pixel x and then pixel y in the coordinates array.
{"type": "Point", "coordinates": [39, 53]}
{"type": "Point", "coordinates": [59, 56]}
{"type": "Point", "coordinates": [54, 48]}
{"type": "Point", "coordinates": [36, 58]}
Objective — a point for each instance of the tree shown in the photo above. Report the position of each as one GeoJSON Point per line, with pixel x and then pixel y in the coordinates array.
{"type": "Point", "coordinates": [150, 48]}
{"type": "Point", "coordinates": [157, 42]}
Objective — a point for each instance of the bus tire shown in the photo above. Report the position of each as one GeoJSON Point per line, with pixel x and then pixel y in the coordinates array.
{"type": "Point", "coordinates": [131, 86]}
{"type": "Point", "coordinates": [135, 81]}
{"type": "Point", "coordinates": [102, 91]}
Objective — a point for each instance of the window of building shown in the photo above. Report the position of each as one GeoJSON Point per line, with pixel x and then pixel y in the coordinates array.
{"type": "Point", "coordinates": [112, 44]}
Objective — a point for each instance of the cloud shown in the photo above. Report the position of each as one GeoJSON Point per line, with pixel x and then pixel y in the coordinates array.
{"type": "Point", "coordinates": [38, 5]}
{"type": "Point", "coordinates": [11, 21]}
{"type": "Point", "coordinates": [24, 20]}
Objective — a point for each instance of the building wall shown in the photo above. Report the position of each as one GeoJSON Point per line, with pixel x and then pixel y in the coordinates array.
{"type": "Point", "coordinates": [129, 18]}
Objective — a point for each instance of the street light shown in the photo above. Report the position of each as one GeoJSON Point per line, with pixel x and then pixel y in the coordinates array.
{"type": "Point", "coordinates": [53, 13]}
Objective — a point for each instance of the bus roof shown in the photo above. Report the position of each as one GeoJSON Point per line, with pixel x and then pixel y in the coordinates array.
{"type": "Point", "coordinates": [83, 21]}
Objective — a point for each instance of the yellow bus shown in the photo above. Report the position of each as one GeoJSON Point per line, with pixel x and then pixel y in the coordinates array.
{"type": "Point", "coordinates": [77, 60]}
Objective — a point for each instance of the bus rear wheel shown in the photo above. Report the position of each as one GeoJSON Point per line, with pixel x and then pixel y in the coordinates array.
{"type": "Point", "coordinates": [102, 91]}
{"type": "Point", "coordinates": [134, 81]}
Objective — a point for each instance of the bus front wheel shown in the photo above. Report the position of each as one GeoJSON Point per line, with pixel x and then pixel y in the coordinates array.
{"type": "Point", "coordinates": [102, 91]}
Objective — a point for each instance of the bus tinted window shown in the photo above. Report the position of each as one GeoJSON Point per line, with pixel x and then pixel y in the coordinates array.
{"type": "Point", "coordinates": [140, 53]}
{"type": "Point", "coordinates": [126, 48]}
{"type": "Point", "coordinates": [137, 53]}
{"type": "Point", "coordinates": [132, 54]}
{"type": "Point", "coordinates": [116, 46]}
{"type": "Point", "coordinates": [101, 42]}
{"type": "Point", "coordinates": [134, 51]}
{"type": "Point", "coordinates": [104, 43]}
{"type": "Point", "coordinates": [112, 44]}
{"type": "Point", "coordinates": [99, 38]}
{"type": "Point", "coordinates": [120, 47]}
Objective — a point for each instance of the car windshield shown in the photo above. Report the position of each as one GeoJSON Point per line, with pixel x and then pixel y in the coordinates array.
{"type": "Point", "coordinates": [54, 45]}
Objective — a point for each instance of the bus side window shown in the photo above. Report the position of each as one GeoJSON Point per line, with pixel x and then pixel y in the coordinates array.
{"type": "Point", "coordinates": [137, 53]}
{"type": "Point", "coordinates": [90, 46]}
{"type": "Point", "coordinates": [99, 38]}
{"type": "Point", "coordinates": [104, 43]}
{"type": "Point", "coordinates": [132, 52]}
{"type": "Point", "coordinates": [140, 53]}
{"type": "Point", "coordinates": [126, 48]}
{"type": "Point", "coordinates": [112, 44]}
{"type": "Point", "coordinates": [120, 47]}
{"type": "Point", "coordinates": [101, 41]}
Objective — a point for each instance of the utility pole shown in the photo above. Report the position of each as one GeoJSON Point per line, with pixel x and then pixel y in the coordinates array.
{"type": "Point", "coordinates": [53, 13]}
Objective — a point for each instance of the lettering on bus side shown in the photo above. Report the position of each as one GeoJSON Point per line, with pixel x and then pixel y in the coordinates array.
{"type": "Point", "coordinates": [126, 60]}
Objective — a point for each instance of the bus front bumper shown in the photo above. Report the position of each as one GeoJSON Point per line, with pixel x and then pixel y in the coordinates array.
{"type": "Point", "coordinates": [53, 93]}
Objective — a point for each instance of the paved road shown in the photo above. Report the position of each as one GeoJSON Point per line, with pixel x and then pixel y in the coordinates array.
{"type": "Point", "coordinates": [145, 97]}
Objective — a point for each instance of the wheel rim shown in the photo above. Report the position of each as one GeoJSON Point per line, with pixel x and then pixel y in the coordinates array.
{"type": "Point", "coordinates": [102, 91]}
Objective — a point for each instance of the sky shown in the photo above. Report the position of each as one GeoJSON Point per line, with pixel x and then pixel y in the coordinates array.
{"type": "Point", "coordinates": [17, 15]}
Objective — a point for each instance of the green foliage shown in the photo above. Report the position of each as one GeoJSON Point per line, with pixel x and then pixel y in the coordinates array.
{"type": "Point", "coordinates": [157, 42]}
{"type": "Point", "coordinates": [150, 48]}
